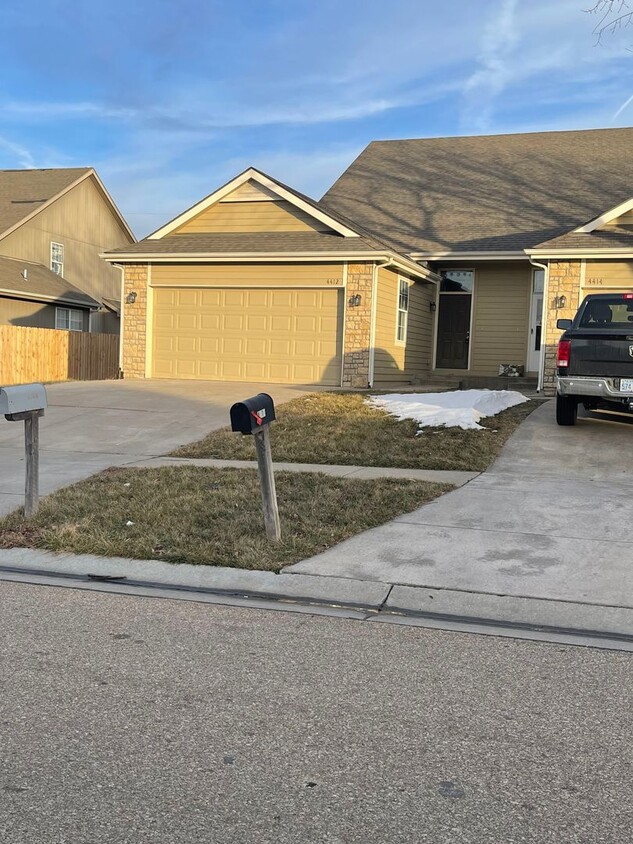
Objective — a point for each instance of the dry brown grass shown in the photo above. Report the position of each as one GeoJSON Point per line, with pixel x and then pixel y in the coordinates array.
{"type": "Point", "coordinates": [209, 516]}
{"type": "Point", "coordinates": [339, 428]}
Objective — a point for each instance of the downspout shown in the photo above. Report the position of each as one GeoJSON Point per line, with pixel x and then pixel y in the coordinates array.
{"type": "Point", "coordinates": [372, 326]}
{"type": "Point", "coordinates": [541, 366]}
{"type": "Point", "coordinates": [122, 320]}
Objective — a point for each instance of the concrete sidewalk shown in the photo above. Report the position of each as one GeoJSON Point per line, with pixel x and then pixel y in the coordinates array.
{"type": "Point", "coordinates": [364, 473]}
{"type": "Point", "coordinates": [550, 520]}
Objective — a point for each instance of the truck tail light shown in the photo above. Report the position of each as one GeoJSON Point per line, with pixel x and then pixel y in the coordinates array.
{"type": "Point", "coordinates": [564, 350]}
{"type": "Point", "coordinates": [628, 295]}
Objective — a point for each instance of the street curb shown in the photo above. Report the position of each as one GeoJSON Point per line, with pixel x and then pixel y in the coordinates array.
{"type": "Point", "coordinates": [508, 610]}
{"type": "Point", "coordinates": [335, 591]}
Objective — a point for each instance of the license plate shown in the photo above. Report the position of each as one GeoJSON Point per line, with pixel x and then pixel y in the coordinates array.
{"type": "Point", "coordinates": [626, 385]}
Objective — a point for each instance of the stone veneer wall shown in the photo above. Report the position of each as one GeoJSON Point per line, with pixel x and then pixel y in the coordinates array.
{"type": "Point", "coordinates": [357, 331]}
{"type": "Point", "coordinates": [564, 280]}
{"type": "Point", "coordinates": [134, 323]}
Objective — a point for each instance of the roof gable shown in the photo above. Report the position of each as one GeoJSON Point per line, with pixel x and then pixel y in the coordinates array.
{"type": "Point", "coordinates": [499, 193]}
{"type": "Point", "coordinates": [249, 187]}
{"type": "Point", "coordinates": [25, 193]}
{"type": "Point", "coordinates": [620, 215]}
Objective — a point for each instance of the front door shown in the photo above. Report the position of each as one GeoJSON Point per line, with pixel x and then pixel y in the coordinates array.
{"type": "Point", "coordinates": [536, 321]}
{"type": "Point", "coordinates": [453, 323]}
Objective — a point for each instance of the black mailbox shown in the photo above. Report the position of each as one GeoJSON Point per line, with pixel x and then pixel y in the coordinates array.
{"type": "Point", "coordinates": [250, 415]}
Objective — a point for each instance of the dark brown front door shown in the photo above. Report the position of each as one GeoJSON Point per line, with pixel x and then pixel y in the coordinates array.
{"type": "Point", "coordinates": [453, 331]}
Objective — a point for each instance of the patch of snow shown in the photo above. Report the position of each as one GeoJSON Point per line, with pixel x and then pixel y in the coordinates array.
{"type": "Point", "coordinates": [458, 409]}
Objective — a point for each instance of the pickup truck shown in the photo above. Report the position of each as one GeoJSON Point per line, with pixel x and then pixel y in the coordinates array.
{"type": "Point", "coordinates": [594, 362]}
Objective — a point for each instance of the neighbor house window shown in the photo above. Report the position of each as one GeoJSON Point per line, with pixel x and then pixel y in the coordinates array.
{"type": "Point", "coordinates": [403, 310]}
{"type": "Point", "coordinates": [57, 258]}
{"type": "Point", "coordinates": [69, 319]}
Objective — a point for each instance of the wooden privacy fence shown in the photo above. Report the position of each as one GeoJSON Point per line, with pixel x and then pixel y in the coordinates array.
{"type": "Point", "coordinates": [49, 354]}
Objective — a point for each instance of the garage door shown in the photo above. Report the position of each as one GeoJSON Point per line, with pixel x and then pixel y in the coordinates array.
{"type": "Point", "coordinates": [281, 336]}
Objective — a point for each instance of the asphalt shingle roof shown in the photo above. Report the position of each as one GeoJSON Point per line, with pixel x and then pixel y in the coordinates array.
{"type": "Point", "coordinates": [612, 238]}
{"type": "Point", "coordinates": [255, 242]}
{"type": "Point", "coordinates": [487, 193]}
{"type": "Point", "coordinates": [24, 191]}
{"type": "Point", "coordinates": [40, 282]}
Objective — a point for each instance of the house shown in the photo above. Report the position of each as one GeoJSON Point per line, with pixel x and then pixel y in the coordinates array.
{"type": "Point", "coordinates": [441, 256]}
{"type": "Point", "coordinates": [53, 226]}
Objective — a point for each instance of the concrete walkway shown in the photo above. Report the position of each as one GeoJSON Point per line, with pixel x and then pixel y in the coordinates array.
{"type": "Point", "coordinates": [550, 520]}
{"type": "Point", "coordinates": [91, 425]}
{"type": "Point", "coordinates": [357, 472]}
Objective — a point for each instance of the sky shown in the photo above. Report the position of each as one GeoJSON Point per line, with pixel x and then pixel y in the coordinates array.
{"type": "Point", "coordinates": [168, 100]}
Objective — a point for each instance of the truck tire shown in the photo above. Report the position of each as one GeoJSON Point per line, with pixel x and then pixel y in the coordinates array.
{"type": "Point", "coordinates": [566, 410]}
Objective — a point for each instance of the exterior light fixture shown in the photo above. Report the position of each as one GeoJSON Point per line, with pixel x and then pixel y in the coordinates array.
{"type": "Point", "coordinates": [130, 298]}
{"type": "Point", "coordinates": [354, 301]}
{"type": "Point", "coordinates": [561, 301]}
{"type": "Point", "coordinates": [432, 307]}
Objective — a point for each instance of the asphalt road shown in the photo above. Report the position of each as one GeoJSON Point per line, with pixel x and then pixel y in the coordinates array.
{"type": "Point", "coordinates": [142, 720]}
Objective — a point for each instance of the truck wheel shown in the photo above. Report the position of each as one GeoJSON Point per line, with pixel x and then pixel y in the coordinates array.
{"type": "Point", "coordinates": [566, 410]}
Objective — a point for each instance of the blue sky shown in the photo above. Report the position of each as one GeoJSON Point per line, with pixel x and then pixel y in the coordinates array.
{"type": "Point", "coordinates": [169, 99]}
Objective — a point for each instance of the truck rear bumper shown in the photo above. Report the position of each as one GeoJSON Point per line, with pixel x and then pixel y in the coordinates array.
{"type": "Point", "coordinates": [601, 388]}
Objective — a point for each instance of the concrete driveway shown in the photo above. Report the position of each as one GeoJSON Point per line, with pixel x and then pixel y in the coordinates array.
{"type": "Point", "coordinates": [95, 424]}
{"type": "Point", "coordinates": [551, 519]}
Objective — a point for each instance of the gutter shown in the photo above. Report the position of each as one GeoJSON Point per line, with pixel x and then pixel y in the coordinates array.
{"type": "Point", "coordinates": [37, 297]}
{"type": "Point", "coordinates": [372, 324]}
{"type": "Point", "coordinates": [278, 257]}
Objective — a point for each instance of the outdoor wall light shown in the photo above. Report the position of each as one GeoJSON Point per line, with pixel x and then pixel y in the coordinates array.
{"type": "Point", "coordinates": [561, 301]}
{"type": "Point", "coordinates": [354, 301]}
{"type": "Point", "coordinates": [130, 298]}
{"type": "Point", "coordinates": [432, 307]}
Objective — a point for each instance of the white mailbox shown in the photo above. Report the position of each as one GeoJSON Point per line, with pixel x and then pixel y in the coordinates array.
{"type": "Point", "coordinates": [22, 398]}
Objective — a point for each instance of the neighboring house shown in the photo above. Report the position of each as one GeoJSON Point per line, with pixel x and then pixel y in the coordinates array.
{"type": "Point", "coordinates": [432, 257]}
{"type": "Point", "coordinates": [53, 226]}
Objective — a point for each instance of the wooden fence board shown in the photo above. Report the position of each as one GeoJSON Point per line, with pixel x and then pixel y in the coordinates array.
{"type": "Point", "coordinates": [49, 354]}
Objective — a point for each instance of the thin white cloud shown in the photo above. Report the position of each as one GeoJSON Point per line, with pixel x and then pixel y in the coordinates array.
{"type": "Point", "coordinates": [623, 107]}
{"type": "Point", "coordinates": [482, 88]}
{"type": "Point", "coordinates": [19, 154]}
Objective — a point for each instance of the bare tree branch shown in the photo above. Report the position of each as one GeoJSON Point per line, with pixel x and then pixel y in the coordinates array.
{"type": "Point", "coordinates": [613, 16]}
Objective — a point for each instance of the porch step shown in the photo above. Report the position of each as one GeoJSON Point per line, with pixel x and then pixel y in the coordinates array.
{"type": "Point", "coordinates": [495, 382]}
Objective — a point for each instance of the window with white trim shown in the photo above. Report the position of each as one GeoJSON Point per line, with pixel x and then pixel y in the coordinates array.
{"type": "Point", "coordinates": [69, 319]}
{"type": "Point", "coordinates": [57, 257]}
{"type": "Point", "coordinates": [403, 310]}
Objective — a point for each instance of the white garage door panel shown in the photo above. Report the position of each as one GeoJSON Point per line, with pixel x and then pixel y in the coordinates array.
{"type": "Point", "coordinates": [281, 336]}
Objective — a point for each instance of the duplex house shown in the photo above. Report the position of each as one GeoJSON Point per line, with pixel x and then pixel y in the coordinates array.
{"type": "Point", "coordinates": [448, 257]}
{"type": "Point", "coordinates": [53, 225]}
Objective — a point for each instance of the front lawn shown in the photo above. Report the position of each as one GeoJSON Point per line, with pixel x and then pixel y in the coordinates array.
{"type": "Point", "coordinates": [339, 428]}
{"type": "Point", "coordinates": [210, 516]}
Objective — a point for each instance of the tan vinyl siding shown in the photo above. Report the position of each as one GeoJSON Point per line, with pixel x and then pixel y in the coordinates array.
{"type": "Point", "coordinates": [269, 216]}
{"type": "Point", "coordinates": [20, 312]}
{"type": "Point", "coordinates": [247, 275]}
{"type": "Point", "coordinates": [500, 317]}
{"type": "Point", "coordinates": [83, 222]}
{"type": "Point", "coordinates": [31, 314]}
{"type": "Point", "coordinates": [395, 361]}
{"type": "Point", "coordinates": [608, 277]}
{"type": "Point", "coordinates": [622, 220]}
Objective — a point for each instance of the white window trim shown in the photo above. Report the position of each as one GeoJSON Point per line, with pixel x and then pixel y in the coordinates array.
{"type": "Point", "coordinates": [70, 311]}
{"type": "Point", "coordinates": [61, 263]}
{"type": "Point", "coordinates": [403, 341]}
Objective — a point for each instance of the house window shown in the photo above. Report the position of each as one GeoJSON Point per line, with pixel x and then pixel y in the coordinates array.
{"type": "Point", "coordinates": [457, 281]}
{"type": "Point", "coordinates": [403, 310]}
{"type": "Point", "coordinates": [57, 258]}
{"type": "Point", "coordinates": [69, 319]}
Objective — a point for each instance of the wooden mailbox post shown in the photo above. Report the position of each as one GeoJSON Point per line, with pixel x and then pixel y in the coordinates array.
{"type": "Point", "coordinates": [26, 403]}
{"type": "Point", "coordinates": [253, 416]}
